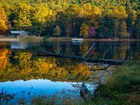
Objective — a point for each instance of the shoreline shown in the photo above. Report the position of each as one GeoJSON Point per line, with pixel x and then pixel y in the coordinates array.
{"type": "Point", "coordinates": [61, 39]}
{"type": "Point", "coordinates": [9, 39]}
{"type": "Point", "coordinates": [93, 39]}
{"type": "Point", "coordinates": [21, 39]}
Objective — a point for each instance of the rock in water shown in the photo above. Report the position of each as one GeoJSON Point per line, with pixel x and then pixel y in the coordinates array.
{"type": "Point", "coordinates": [85, 93]}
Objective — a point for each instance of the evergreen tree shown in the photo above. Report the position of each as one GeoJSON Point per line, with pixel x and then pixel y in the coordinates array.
{"type": "Point", "coordinates": [57, 31]}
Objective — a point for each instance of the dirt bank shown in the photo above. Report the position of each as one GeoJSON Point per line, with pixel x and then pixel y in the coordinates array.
{"type": "Point", "coordinates": [21, 39]}
{"type": "Point", "coordinates": [9, 39]}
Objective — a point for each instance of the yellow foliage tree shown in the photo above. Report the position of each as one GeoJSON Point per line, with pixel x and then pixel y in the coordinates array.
{"type": "Point", "coordinates": [3, 20]}
{"type": "Point", "coordinates": [41, 13]}
{"type": "Point", "coordinates": [73, 11]}
{"type": "Point", "coordinates": [22, 15]}
{"type": "Point", "coordinates": [3, 58]}
{"type": "Point", "coordinates": [118, 12]}
{"type": "Point", "coordinates": [91, 12]}
{"type": "Point", "coordinates": [123, 30]}
{"type": "Point", "coordinates": [83, 48]}
{"type": "Point", "coordinates": [84, 30]}
{"type": "Point", "coordinates": [81, 70]}
{"type": "Point", "coordinates": [23, 60]}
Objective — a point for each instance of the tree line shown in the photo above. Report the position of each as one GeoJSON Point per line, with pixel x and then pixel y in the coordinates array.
{"type": "Point", "coordinates": [72, 18]}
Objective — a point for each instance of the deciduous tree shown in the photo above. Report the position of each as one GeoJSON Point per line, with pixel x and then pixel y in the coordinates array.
{"type": "Point", "coordinates": [92, 32]}
{"type": "Point", "coordinates": [123, 29]}
{"type": "Point", "coordinates": [84, 30]}
{"type": "Point", "coordinates": [3, 20]}
{"type": "Point", "coordinates": [21, 13]}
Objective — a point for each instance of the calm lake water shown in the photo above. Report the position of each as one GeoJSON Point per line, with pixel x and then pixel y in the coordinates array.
{"type": "Point", "coordinates": [24, 74]}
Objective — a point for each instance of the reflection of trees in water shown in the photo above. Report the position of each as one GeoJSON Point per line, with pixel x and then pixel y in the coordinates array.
{"type": "Point", "coordinates": [101, 50]}
{"type": "Point", "coordinates": [136, 56]}
{"type": "Point", "coordinates": [22, 65]}
{"type": "Point", "coordinates": [120, 51]}
{"type": "Point", "coordinates": [136, 49]}
{"type": "Point", "coordinates": [83, 49]}
{"type": "Point", "coordinates": [3, 58]}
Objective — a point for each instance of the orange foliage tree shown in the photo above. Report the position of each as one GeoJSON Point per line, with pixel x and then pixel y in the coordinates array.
{"type": "Point", "coordinates": [3, 58]}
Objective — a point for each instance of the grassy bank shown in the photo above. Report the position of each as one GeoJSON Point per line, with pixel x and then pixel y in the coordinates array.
{"type": "Point", "coordinates": [123, 88]}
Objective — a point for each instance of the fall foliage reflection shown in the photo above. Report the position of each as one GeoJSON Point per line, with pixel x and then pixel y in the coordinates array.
{"type": "Point", "coordinates": [22, 65]}
{"type": "Point", "coordinates": [3, 58]}
{"type": "Point", "coordinates": [121, 50]}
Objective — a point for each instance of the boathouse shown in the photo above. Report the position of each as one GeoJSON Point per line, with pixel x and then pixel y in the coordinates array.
{"type": "Point", "coordinates": [21, 33]}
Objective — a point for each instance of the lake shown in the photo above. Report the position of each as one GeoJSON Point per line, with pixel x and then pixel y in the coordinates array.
{"type": "Point", "coordinates": [24, 74]}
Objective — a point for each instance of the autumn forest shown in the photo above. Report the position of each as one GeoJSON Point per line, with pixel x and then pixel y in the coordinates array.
{"type": "Point", "coordinates": [72, 18]}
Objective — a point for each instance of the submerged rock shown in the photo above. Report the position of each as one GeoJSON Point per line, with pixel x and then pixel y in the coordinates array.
{"type": "Point", "coordinates": [85, 93]}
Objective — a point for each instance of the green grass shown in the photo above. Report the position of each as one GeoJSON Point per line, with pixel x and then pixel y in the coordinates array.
{"type": "Point", "coordinates": [123, 88]}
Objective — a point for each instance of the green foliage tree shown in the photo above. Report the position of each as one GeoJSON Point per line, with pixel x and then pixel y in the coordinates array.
{"type": "Point", "coordinates": [116, 23]}
{"type": "Point", "coordinates": [37, 28]}
{"type": "Point", "coordinates": [57, 31]}
{"type": "Point", "coordinates": [136, 27]}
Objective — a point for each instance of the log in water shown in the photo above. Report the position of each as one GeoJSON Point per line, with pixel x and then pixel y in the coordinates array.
{"type": "Point", "coordinates": [85, 59]}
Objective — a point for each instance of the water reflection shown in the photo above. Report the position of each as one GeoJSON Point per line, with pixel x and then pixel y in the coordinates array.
{"type": "Point", "coordinates": [19, 64]}
{"type": "Point", "coordinates": [102, 50]}
{"type": "Point", "coordinates": [49, 87]}
{"type": "Point", "coordinates": [19, 45]}
{"type": "Point", "coordinates": [25, 90]}
{"type": "Point", "coordinates": [105, 50]}
{"type": "Point", "coordinates": [23, 65]}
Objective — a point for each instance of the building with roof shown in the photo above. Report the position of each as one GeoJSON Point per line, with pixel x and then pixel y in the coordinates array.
{"type": "Point", "coordinates": [19, 33]}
